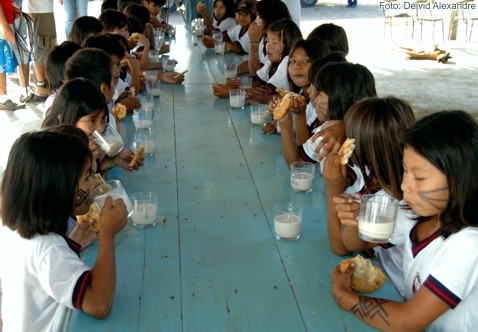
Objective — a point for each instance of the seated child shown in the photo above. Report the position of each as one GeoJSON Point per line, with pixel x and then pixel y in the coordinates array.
{"type": "Point", "coordinates": [42, 275]}
{"type": "Point", "coordinates": [222, 15]}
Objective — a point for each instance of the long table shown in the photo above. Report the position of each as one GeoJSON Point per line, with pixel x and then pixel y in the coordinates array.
{"type": "Point", "coordinates": [214, 263]}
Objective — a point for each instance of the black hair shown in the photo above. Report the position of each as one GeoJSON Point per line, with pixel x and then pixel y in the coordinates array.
{"type": "Point", "coordinates": [83, 27]}
{"type": "Point", "coordinates": [229, 5]}
{"type": "Point", "coordinates": [106, 43]}
{"type": "Point", "coordinates": [40, 181]}
{"type": "Point", "coordinates": [113, 19]}
{"type": "Point", "coordinates": [321, 62]}
{"type": "Point", "coordinates": [137, 11]}
{"type": "Point", "coordinates": [93, 64]}
{"type": "Point", "coordinates": [271, 11]}
{"type": "Point", "coordinates": [55, 63]}
{"type": "Point", "coordinates": [344, 83]}
{"type": "Point", "coordinates": [75, 99]}
{"type": "Point", "coordinates": [334, 35]}
{"type": "Point", "coordinates": [449, 141]}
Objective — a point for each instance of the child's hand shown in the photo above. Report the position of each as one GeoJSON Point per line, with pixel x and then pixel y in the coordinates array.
{"type": "Point", "coordinates": [332, 138]}
{"type": "Point", "coordinates": [94, 148]}
{"type": "Point", "coordinates": [164, 49]}
{"type": "Point", "coordinates": [208, 41]}
{"type": "Point", "coordinates": [201, 9]}
{"type": "Point", "coordinates": [171, 77]}
{"type": "Point", "coordinates": [123, 159]}
{"type": "Point", "coordinates": [334, 174]}
{"type": "Point", "coordinates": [131, 103]}
{"type": "Point", "coordinates": [298, 104]}
{"type": "Point", "coordinates": [341, 283]}
{"type": "Point", "coordinates": [233, 83]}
{"type": "Point", "coordinates": [254, 32]}
{"type": "Point", "coordinates": [114, 216]}
{"type": "Point", "coordinates": [347, 207]}
{"type": "Point", "coordinates": [220, 90]}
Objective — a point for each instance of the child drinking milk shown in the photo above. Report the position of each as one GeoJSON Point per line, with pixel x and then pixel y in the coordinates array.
{"type": "Point", "coordinates": [440, 259]}
{"type": "Point", "coordinates": [48, 178]}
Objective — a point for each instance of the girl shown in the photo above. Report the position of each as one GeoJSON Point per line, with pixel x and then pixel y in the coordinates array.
{"type": "Point", "coordinates": [80, 103]}
{"type": "Point", "coordinates": [440, 184]}
{"type": "Point", "coordinates": [236, 38]}
{"type": "Point", "coordinates": [333, 35]}
{"type": "Point", "coordinates": [302, 55]}
{"type": "Point", "coordinates": [336, 92]}
{"type": "Point", "coordinates": [376, 124]}
{"type": "Point", "coordinates": [222, 15]}
{"type": "Point", "coordinates": [47, 179]}
{"type": "Point", "coordinates": [83, 27]}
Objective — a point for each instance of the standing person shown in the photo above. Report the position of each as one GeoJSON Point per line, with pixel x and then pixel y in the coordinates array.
{"type": "Point", "coordinates": [42, 275]}
{"type": "Point", "coordinates": [440, 258]}
{"type": "Point", "coordinates": [9, 52]}
{"type": "Point", "coordinates": [73, 9]}
{"type": "Point", "coordinates": [44, 32]}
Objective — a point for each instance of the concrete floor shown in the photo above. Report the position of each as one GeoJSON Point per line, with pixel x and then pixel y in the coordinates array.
{"type": "Point", "coordinates": [429, 86]}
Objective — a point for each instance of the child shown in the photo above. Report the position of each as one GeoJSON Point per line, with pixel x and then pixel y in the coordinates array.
{"type": "Point", "coordinates": [440, 184]}
{"type": "Point", "coordinates": [83, 27]}
{"type": "Point", "coordinates": [302, 55]}
{"type": "Point", "coordinates": [55, 67]}
{"type": "Point", "coordinates": [376, 125]}
{"type": "Point", "coordinates": [42, 275]}
{"type": "Point", "coordinates": [236, 38]}
{"type": "Point", "coordinates": [336, 93]}
{"type": "Point", "coordinates": [333, 35]}
{"type": "Point", "coordinates": [154, 8]}
{"type": "Point", "coordinates": [96, 66]}
{"type": "Point", "coordinates": [222, 15]}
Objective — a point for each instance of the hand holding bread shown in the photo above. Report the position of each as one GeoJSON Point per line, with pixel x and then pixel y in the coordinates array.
{"type": "Point", "coordinates": [286, 102]}
{"type": "Point", "coordinates": [366, 277]}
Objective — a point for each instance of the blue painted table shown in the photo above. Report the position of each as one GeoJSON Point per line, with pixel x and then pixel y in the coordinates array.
{"type": "Point", "coordinates": [214, 264]}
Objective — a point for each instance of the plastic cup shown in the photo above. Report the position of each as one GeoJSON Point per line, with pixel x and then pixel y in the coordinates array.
{"type": "Point", "coordinates": [145, 209]}
{"type": "Point", "coordinates": [259, 114]}
{"type": "Point", "coordinates": [230, 70]}
{"type": "Point", "coordinates": [115, 189]}
{"type": "Point", "coordinates": [287, 221]}
{"type": "Point", "coordinates": [142, 119]}
{"type": "Point", "coordinates": [109, 140]}
{"type": "Point", "coordinates": [237, 98]}
{"type": "Point", "coordinates": [219, 47]}
{"type": "Point", "coordinates": [302, 176]}
{"type": "Point", "coordinates": [146, 139]}
{"type": "Point", "coordinates": [377, 218]}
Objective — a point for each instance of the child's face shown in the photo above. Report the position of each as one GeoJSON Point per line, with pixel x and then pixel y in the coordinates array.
{"type": "Point", "coordinates": [274, 46]}
{"type": "Point", "coordinates": [124, 31]}
{"type": "Point", "coordinates": [424, 187]}
{"type": "Point", "coordinates": [154, 9]}
{"type": "Point", "coordinates": [91, 122]}
{"type": "Point", "coordinates": [320, 103]}
{"type": "Point", "coordinates": [299, 64]}
{"type": "Point", "coordinates": [85, 191]}
{"type": "Point", "coordinates": [219, 10]}
{"type": "Point", "coordinates": [243, 19]}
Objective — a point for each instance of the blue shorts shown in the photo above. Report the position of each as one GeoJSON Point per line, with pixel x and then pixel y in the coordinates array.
{"type": "Point", "coordinates": [8, 60]}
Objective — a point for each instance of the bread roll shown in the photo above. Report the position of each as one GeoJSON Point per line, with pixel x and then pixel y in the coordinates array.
{"type": "Point", "coordinates": [366, 277]}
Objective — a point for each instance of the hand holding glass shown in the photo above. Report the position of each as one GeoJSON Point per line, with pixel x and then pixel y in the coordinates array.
{"type": "Point", "coordinates": [377, 218]}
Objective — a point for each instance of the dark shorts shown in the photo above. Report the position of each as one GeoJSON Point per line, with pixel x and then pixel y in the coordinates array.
{"type": "Point", "coordinates": [45, 36]}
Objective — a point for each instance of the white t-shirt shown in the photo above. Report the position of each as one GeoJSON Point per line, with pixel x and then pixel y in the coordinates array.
{"type": "Point", "coordinates": [279, 79]}
{"type": "Point", "coordinates": [37, 6]}
{"type": "Point", "coordinates": [448, 268]}
{"type": "Point", "coordinates": [225, 24]}
{"type": "Point", "coordinates": [310, 113]}
{"type": "Point", "coordinates": [120, 88]}
{"type": "Point", "coordinates": [38, 278]}
{"type": "Point", "coordinates": [234, 35]}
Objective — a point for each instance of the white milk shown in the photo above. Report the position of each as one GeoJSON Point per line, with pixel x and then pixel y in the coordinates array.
{"type": "Point", "coordinates": [381, 230]}
{"type": "Point", "coordinates": [143, 124]}
{"type": "Point", "coordinates": [302, 181]}
{"type": "Point", "coordinates": [258, 117]}
{"type": "Point", "coordinates": [287, 225]}
{"type": "Point", "coordinates": [144, 214]}
{"type": "Point", "coordinates": [149, 146]}
{"type": "Point", "coordinates": [237, 101]}
{"type": "Point", "coordinates": [230, 74]}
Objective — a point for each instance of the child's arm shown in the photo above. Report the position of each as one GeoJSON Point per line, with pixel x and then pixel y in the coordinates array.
{"type": "Point", "coordinates": [134, 72]}
{"type": "Point", "coordinates": [289, 144]}
{"type": "Point", "coordinates": [388, 315]}
{"type": "Point", "coordinates": [144, 58]}
{"type": "Point", "coordinates": [99, 296]}
{"type": "Point", "coordinates": [255, 35]}
{"type": "Point", "coordinates": [332, 138]}
{"type": "Point", "coordinates": [235, 47]}
{"type": "Point", "coordinates": [301, 130]}
{"type": "Point", "coordinates": [202, 10]}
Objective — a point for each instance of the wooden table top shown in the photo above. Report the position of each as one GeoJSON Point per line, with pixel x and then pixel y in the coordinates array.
{"type": "Point", "coordinates": [214, 264]}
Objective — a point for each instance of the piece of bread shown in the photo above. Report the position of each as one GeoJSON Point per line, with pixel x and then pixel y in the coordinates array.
{"type": "Point", "coordinates": [92, 214]}
{"type": "Point", "coordinates": [131, 92]}
{"type": "Point", "coordinates": [118, 111]}
{"type": "Point", "coordinates": [283, 107]}
{"type": "Point", "coordinates": [137, 155]}
{"type": "Point", "coordinates": [366, 277]}
{"type": "Point", "coordinates": [134, 36]}
{"type": "Point", "coordinates": [346, 150]}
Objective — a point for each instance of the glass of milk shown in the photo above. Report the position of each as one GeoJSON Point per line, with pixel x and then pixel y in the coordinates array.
{"type": "Point", "coordinates": [302, 176]}
{"type": "Point", "coordinates": [145, 208]}
{"type": "Point", "coordinates": [377, 218]}
{"type": "Point", "coordinates": [230, 70]}
{"type": "Point", "coordinates": [109, 140]}
{"type": "Point", "coordinates": [259, 114]}
{"type": "Point", "coordinates": [115, 189]}
{"type": "Point", "coordinates": [146, 139]}
{"type": "Point", "coordinates": [287, 221]}
{"type": "Point", "coordinates": [237, 98]}
{"type": "Point", "coordinates": [142, 119]}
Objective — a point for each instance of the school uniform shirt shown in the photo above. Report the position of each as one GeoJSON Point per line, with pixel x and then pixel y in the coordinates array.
{"type": "Point", "coordinates": [279, 79]}
{"type": "Point", "coordinates": [41, 278]}
{"type": "Point", "coordinates": [120, 88]}
{"type": "Point", "coordinates": [111, 118]}
{"type": "Point", "coordinates": [237, 34]}
{"type": "Point", "coordinates": [224, 25]}
{"type": "Point", "coordinates": [448, 268]}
